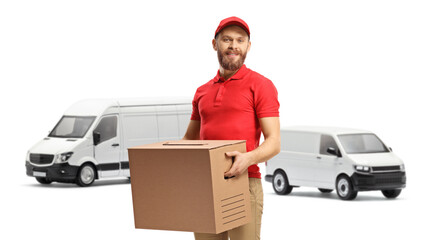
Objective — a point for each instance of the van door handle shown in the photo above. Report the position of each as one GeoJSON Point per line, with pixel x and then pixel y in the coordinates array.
{"type": "Point", "coordinates": [318, 157]}
{"type": "Point", "coordinates": [115, 145]}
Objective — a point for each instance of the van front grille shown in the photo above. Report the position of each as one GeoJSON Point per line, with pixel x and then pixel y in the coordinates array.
{"type": "Point", "coordinates": [386, 168]}
{"type": "Point", "coordinates": [41, 158]}
{"type": "Point", "coordinates": [379, 181]}
{"type": "Point", "coordinates": [387, 179]}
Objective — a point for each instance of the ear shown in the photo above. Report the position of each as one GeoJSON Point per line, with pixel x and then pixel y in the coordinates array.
{"type": "Point", "coordinates": [249, 46]}
{"type": "Point", "coordinates": [214, 44]}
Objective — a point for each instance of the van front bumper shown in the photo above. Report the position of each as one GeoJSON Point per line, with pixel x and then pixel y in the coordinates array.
{"type": "Point", "coordinates": [63, 172]}
{"type": "Point", "coordinates": [378, 181]}
{"type": "Point", "coordinates": [268, 178]}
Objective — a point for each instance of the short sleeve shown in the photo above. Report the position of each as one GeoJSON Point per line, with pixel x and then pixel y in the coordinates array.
{"type": "Point", "coordinates": [266, 99]}
{"type": "Point", "coordinates": [195, 112]}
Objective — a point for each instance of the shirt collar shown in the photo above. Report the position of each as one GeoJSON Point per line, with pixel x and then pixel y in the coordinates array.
{"type": "Point", "coordinates": [238, 75]}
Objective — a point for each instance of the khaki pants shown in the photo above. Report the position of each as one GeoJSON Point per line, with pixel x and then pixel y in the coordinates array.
{"type": "Point", "coordinates": [250, 231]}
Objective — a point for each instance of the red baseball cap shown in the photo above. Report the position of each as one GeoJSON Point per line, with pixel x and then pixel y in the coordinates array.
{"type": "Point", "coordinates": [233, 21]}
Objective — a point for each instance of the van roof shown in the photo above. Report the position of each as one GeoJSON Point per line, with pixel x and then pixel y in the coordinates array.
{"type": "Point", "coordinates": [324, 130]}
{"type": "Point", "coordinates": [96, 107]}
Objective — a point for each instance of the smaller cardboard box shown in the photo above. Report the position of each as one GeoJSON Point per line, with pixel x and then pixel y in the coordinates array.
{"type": "Point", "coordinates": [180, 185]}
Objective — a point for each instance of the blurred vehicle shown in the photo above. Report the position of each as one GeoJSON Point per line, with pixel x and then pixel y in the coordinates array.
{"type": "Point", "coordinates": [91, 139]}
{"type": "Point", "coordinates": [328, 158]}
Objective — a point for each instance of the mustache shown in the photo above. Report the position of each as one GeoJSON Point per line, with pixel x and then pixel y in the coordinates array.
{"type": "Point", "coordinates": [229, 65]}
{"type": "Point", "coordinates": [232, 51]}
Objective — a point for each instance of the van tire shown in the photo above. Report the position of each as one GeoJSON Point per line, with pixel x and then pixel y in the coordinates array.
{"type": "Point", "coordinates": [391, 193]}
{"type": "Point", "coordinates": [345, 188]}
{"type": "Point", "coordinates": [43, 180]}
{"type": "Point", "coordinates": [280, 183]}
{"type": "Point", "coordinates": [86, 175]}
{"type": "Point", "coordinates": [323, 190]}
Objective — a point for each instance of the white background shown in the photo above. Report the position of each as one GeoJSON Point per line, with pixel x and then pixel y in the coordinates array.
{"type": "Point", "coordinates": [361, 64]}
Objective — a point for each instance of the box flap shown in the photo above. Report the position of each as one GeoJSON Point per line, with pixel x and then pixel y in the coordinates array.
{"type": "Point", "coordinates": [189, 144]}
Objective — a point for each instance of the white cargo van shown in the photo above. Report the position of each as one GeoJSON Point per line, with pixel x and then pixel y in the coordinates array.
{"type": "Point", "coordinates": [91, 139]}
{"type": "Point", "coordinates": [347, 160]}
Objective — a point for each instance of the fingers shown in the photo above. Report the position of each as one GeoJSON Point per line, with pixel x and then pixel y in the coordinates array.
{"type": "Point", "coordinates": [231, 173]}
{"type": "Point", "coordinates": [228, 175]}
{"type": "Point", "coordinates": [241, 162]}
{"type": "Point", "coordinates": [233, 170]}
{"type": "Point", "coordinates": [232, 154]}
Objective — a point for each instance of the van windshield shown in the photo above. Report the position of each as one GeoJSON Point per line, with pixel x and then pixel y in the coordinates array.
{"type": "Point", "coordinates": [72, 127]}
{"type": "Point", "coordinates": [362, 143]}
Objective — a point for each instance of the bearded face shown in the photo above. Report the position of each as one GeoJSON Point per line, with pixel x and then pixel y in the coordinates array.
{"type": "Point", "coordinates": [232, 45]}
{"type": "Point", "coordinates": [231, 59]}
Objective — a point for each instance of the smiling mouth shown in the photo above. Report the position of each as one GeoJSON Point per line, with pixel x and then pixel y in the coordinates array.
{"type": "Point", "coordinates": [232, 55]}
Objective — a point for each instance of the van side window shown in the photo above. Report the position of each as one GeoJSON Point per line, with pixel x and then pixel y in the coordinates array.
{"type": "Point", "coordinates": [326, 142]}
{"type": "Point", "coordinates": [107, 128]}
{"type": "Point", "coordinates": [300, 142]}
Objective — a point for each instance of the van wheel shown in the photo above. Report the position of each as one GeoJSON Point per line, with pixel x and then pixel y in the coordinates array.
{"type": "Point", "coordinates": [345, 189]}
{"type": "Point", "coordinates": [86, 175]}
{"type": "Point", "coordinates": [43, 180]}
{"type": "Point", "coordinates": [323, 190]}
{"type": "Point", "coordinates": [391, 193]}
{"type": "Point", "coordinates": [281, 184]}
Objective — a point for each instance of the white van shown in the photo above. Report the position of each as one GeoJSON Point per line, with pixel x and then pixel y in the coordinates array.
{"type": "Point", "coordinates": [347, 160]}
{"type": "Point", "coordinates": [91, 139]}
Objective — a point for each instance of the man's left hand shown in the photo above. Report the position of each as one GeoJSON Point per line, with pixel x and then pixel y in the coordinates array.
{"type": "Point", "coordinates": [240, 164]}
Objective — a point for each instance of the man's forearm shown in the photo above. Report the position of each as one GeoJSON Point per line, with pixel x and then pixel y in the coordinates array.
{"type": "Point", "coordinates": [268, 149]}
{"type": "Point", "coordinates": [271, 145]}
{"type": "Point", "coordinates": [193, 131]}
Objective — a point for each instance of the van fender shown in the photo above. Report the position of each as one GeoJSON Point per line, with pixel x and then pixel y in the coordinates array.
{"type": "Point", "coordinates": [281, 170]}
{"type": "Point", "coordinates": [340, 174]}
{"type": "Point", "coordinates": [86, 159]}
{"type": "Point", "coordinates": [343, 174]}
{"type": "Point", "coordinates": [346, 171]}
{"type": "Point", "coordinates": [89, 159]}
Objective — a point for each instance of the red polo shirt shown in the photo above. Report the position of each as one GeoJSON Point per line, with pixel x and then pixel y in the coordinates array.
{"type": "Point", "coordinates": [230, 110]}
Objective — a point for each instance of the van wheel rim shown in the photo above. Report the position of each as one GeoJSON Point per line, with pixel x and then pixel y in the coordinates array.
{"type": "Point", "coordinates": [279, 182]}
{"type": "Point", "coordinates": [87, 175]}
{"type": "Point", "coordinates": [343, 187]}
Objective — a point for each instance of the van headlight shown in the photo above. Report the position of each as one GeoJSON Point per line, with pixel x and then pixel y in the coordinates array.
{"type": "Point", "coordinates": [361, 168]}
{"type": "Point", "coordinates": [402, 168]}
{"type": "Point", "coordinates": [62, 158]}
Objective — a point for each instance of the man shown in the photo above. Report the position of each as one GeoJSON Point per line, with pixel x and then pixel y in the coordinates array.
{"type": "Point", "coordinates": [238, 104]}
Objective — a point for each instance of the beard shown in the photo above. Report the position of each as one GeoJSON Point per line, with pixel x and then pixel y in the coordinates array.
{"type": "Point", "coordinates": [229, 64]}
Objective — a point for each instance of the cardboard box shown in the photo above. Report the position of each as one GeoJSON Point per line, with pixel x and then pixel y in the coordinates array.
{"type": "Point", "coordinates": [180, 185]}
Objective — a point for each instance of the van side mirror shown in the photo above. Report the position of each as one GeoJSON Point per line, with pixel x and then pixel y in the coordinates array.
{"type": "Point", "coordinates": [96, 137]}
{"type": "Point", "coordinates": [390, 149]}
{"type": "Point", "coordinates": [333, 151]}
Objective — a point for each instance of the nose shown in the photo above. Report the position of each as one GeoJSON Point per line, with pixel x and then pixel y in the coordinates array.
{"type": "Point", "coordinates": [232, 45]}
